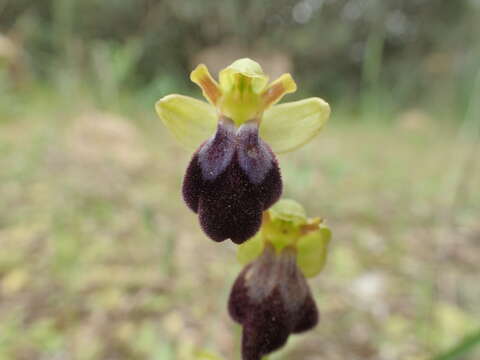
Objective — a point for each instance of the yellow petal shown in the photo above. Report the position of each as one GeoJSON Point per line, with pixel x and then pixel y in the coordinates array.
{"type": "Point", "coordinates": [288, 126]}
{"type": "Point", "coordinates": [312, 251]}
{"type": "Point", "coordinates": [250, 249]}
{"type": "Point", "coordinates": [241, 70]}
{"type": "Point", "coordinates": [277, 89]}
{"type": "Point", "coordinates": [191, 121]}
{"type": "Point", "coordinates": [288, 210]}
{"type": "Point", "coordinates": [210, 88]}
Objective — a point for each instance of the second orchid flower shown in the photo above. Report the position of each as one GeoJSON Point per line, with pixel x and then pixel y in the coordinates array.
{"type": "Point", "coordinates": [271, 298]}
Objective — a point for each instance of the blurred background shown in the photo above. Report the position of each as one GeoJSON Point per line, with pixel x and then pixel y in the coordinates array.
{"type": "Point", "coordinates": [100, 258]}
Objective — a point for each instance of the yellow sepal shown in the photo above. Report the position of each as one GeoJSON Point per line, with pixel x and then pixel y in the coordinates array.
{"type": "Point", "coordinates": [210, 88]}
{"type": "Point", "coordinates": [287, 126]}
{"type": "Point", "coordinates": [277, 89]}
{"type": "Point", "coordinates": [191, 121]}
{"type": "Point", "coordinates": [312, 250]}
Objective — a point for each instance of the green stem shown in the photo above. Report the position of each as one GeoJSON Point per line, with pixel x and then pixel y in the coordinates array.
{"type": "Point", "coordinates": [466, 345]}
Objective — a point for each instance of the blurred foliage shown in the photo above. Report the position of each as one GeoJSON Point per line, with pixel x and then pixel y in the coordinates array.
{"type": "Point", "coordinates": [343, 49]}
{"type": "Point", "coordinates": [99, 257]}
{"type": "Point", "coordinates": [462, 349]}
{"type": "Point", "coordinates": [101, 260]}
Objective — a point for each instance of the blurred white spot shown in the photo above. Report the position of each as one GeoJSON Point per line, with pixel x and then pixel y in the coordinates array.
{"type": "Point", "coordinates": [302, 12]}
{"type": "Point", "coordinates": [316, 4]}
{"type": "Point", "coordinates": [475, 3]}
{"type": "Point", "coordinates": [396, 23]}
{"type": "Point", "coordinates": [352, 10]}
{"type": "Point", "coordinates": [368, 289]}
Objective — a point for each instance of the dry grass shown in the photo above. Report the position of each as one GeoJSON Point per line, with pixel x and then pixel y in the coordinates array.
{"type": "Point", "coordinates": [101, 260]}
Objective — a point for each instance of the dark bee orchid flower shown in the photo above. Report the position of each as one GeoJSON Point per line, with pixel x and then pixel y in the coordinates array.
{"type": "Point", "coordinates": [271, 298]}
{"type": "Point", "coordinates": [234, 175]}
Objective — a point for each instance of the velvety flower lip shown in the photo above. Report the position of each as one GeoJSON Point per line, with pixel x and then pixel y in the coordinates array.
{"type": "Point", "coordinates": [231, 180]}
{"type": "Point", "coordinates": [271, 300]}
{"type": "Point", "coordinates": [217, 153]}
{"type": "Point", "coordinates": [234, 175]}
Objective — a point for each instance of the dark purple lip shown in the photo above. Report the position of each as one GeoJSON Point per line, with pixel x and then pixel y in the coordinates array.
{"type": "Point", "coordinates": [232, 178]}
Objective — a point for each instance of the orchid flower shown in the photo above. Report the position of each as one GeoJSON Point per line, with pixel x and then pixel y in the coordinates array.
{"type": "Point", "coordinates": [234, 174]}
{"type": "Point", "coordinates": [271, 298]}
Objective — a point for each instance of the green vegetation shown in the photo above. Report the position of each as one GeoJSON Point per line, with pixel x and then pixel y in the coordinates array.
{"type": "Point", "coordinates": [99, 257]}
